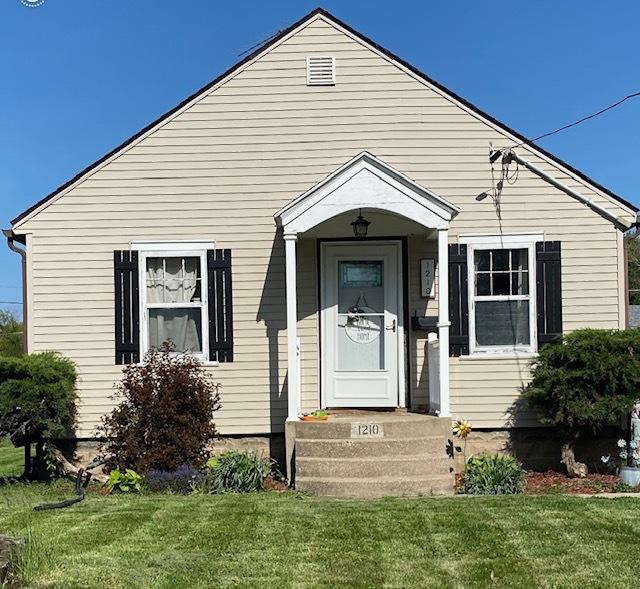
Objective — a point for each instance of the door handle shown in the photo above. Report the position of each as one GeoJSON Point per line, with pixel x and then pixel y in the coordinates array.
{"type": "Point", "coordinates": [392, 327]}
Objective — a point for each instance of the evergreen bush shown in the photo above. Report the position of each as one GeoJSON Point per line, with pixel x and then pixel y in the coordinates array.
{"type": "Point", "coordinates": [588, 381]}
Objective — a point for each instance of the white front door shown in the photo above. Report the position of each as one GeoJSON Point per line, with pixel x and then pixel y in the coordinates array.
{"type": "Point", "coordinates": [361, 325]}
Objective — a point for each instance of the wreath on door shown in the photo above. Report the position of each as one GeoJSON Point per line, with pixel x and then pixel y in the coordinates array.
{"type": "Point", "coordinates": [359, 328]}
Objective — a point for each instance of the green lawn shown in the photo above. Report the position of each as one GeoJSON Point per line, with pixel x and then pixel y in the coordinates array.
{"type": "Point", "coordinates": [11, 459]}
{"type": "Point", "coordinates": [285, 540]}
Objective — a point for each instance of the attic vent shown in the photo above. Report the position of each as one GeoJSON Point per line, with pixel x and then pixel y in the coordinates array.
{"type": "Point", "coordinates": [321, 70]}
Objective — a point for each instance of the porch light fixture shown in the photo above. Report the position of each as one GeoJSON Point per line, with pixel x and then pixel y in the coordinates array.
{"type": "Point", "coordinates": [360, 226]}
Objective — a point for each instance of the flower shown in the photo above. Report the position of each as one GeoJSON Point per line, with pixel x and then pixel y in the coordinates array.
{"type": "Point", "coordinates": [633, 444]}
{"type": "Point", "coordinates": [623, 454]}
{"type": "Point", "coordinates": [622, 443]}
{"type": "Point", "coordinates": [605, 459]}
{"type": "Point", "coordinates": [461, 428]}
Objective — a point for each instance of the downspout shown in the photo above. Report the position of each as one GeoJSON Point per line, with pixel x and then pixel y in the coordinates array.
{"type": "Point", "coordinates": [11, 239]}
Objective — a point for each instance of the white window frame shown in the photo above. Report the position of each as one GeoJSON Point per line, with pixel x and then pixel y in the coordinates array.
{"type": "Point", "coordinates": [502, 241]}
{"type": "Point", "coordinates": [173, 249]}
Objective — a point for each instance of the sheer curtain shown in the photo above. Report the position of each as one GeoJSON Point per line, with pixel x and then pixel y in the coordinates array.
{"type": "Point", "coordinates": [174, 281]}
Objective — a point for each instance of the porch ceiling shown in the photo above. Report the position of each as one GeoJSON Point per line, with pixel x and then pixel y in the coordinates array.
{"type": "Point", "coordinates": [365, 182]}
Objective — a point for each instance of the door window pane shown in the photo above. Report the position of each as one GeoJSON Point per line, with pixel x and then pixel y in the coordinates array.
{"type": "Point", "coordinates": [360, 286]}
{"type": "Point", "coordinates": [360, 342]}
{"type": "Point", "coordinates": [502, 323]}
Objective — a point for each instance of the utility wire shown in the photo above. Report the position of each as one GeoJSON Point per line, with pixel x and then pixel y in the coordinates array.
{"type": "Point", "coordinates": [582, 120]}
{"type": "Point", "coordinates": [10, 303]}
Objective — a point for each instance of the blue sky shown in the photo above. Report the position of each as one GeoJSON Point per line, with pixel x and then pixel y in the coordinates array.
{"type": "Point", "coordinates": [77, 77]}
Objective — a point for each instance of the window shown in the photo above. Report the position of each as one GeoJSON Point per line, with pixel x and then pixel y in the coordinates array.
{"type": "Point", "coordinates": [173, 296]}
{"type": "Point", "coordinates": [502, 305]}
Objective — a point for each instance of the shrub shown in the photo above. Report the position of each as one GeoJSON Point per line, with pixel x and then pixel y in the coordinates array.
{"type": "Point", "coordinates": [165, 417]}
{"type": "Point", "coordinates": [183, 480]}
{"type": "Point", "coordinates": [238, 472]}
{"type": "Point", "coordinates": [37, 397]}
{"type": "Point", "coordinates": [492, 475]}
{"type": "Point", "coordinates": [128, 481]}
{"type": "Point", "coordinates": [588, 381]}
{"type": "Point", "coordinates": [10, 334]}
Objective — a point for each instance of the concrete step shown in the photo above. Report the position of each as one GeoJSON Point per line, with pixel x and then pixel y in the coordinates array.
{"type": "Point", "coordinates": [376, 487]}
{"type": "Point", "coordinates": [415, 466]}
{"type": "Point", "coordinates": [370, 447]}
{"type": "Point", "coordinates": [399, 427]}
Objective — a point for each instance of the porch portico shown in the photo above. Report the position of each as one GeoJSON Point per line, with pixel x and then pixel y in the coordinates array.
{"type": "Point", "coordinates": [399, 206]}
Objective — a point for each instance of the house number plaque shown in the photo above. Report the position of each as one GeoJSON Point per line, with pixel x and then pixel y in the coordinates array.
{"type": "Point", "coordinates": [367, 430]}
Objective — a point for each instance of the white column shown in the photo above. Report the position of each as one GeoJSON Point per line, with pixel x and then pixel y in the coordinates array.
{"type": "Point", "coordinates": [293, 376]}
{"type": "Point", "coordinates": [443, 320]}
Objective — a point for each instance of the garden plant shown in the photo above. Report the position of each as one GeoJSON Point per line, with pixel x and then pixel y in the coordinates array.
{"type": "Point", "coordinates": [584, 383]}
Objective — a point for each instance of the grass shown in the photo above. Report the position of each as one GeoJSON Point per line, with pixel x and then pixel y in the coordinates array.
{"type": "Point", "coordinates": [286, 540]}
{"type": "Point", "coordinates": [11, 459]}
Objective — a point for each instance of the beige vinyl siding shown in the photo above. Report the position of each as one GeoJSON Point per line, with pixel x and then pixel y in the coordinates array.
{"type": "Point", "coordinates": [221, 168]}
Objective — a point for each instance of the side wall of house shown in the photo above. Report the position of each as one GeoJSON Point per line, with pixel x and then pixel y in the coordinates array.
{"type": "Point", "coordinates": [221, 168]}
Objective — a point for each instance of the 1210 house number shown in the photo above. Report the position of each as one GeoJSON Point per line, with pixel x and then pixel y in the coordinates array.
{"type": "Point", "coordinates": [367, 430]}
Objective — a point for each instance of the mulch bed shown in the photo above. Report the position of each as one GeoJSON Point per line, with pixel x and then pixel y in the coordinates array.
{"type": "Point", "coordinates": [272, 483]}
{"type": "Point", "coordinates": [538, 483]}
{"type": "Point", "coordinates": [552, 482]}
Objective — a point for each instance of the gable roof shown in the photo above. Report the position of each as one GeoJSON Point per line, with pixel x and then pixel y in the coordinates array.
{"type": "Point", "coordinates": [274, 41]}
{"type": "Point", "coordinates": [378, 185]}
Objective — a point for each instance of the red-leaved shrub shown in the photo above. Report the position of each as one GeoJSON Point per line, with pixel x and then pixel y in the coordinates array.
{"type": "Point", "coordinates": [165, 416]}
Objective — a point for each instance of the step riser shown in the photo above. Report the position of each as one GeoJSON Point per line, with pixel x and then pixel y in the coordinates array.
{"type": "Point", "coordinates": [370, 448]}
{"type": "Point", "coordinates": [391, 429]}
{"type": "Point", "coordinates": [419, 467]}
{"type": "Point", "coordinates": [373, 489]}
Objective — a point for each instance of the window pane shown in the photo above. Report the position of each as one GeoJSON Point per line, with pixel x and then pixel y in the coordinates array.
{"type": "Point", "coordinates": [483, 283]}
{"type": "Point", "coordinates": [173, 280]}
{"type": "Point", "coordinates": [501, 283]}
{"type": "Point", "coordinates": [155, 280]}
{"type": "Point", "coordinates": [182, 326]}
{"type": "Point", "coordinates": [502, 323]}
{"type": "Point", "coordinates": [500, 259]}
{"type": "Point", "coordinates": [520, 283]}
{"type": "Point", "coordinates": [520, 259]}
{"type": "Point", "coordinates": [482, 260]}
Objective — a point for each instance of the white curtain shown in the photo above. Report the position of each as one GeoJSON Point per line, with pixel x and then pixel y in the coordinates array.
{"type": "Point", "coordinates": [174, 280]}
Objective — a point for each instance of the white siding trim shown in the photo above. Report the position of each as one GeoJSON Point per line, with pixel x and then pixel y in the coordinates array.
{"type": "Point", "coordinates": [154, 249]}
{"type": "Point", "coordinates": [504, 241]}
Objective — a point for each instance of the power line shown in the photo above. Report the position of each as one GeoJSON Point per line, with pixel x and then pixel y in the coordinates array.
{"type": "Point", "coordinates": [10, 303]}
{"type": "Point", "coordinates": [582, 120]}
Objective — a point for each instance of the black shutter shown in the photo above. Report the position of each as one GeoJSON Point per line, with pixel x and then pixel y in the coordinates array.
{"type": "Point", "coordinates": [220, 305]}
{"type": "Point", "coordinates": [127, 307]}
{"type": "Point", "coordinates": [458, 301]}
{"type": "Point", "coordinates": [549, 291]}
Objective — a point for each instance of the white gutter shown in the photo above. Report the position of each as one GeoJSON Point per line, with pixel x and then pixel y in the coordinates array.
{"type": "Point", "coordinates": [511, 155]}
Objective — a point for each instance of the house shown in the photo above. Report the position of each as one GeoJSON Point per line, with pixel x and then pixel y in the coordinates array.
{"type": "Point", "coordinates": [326, 226]}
